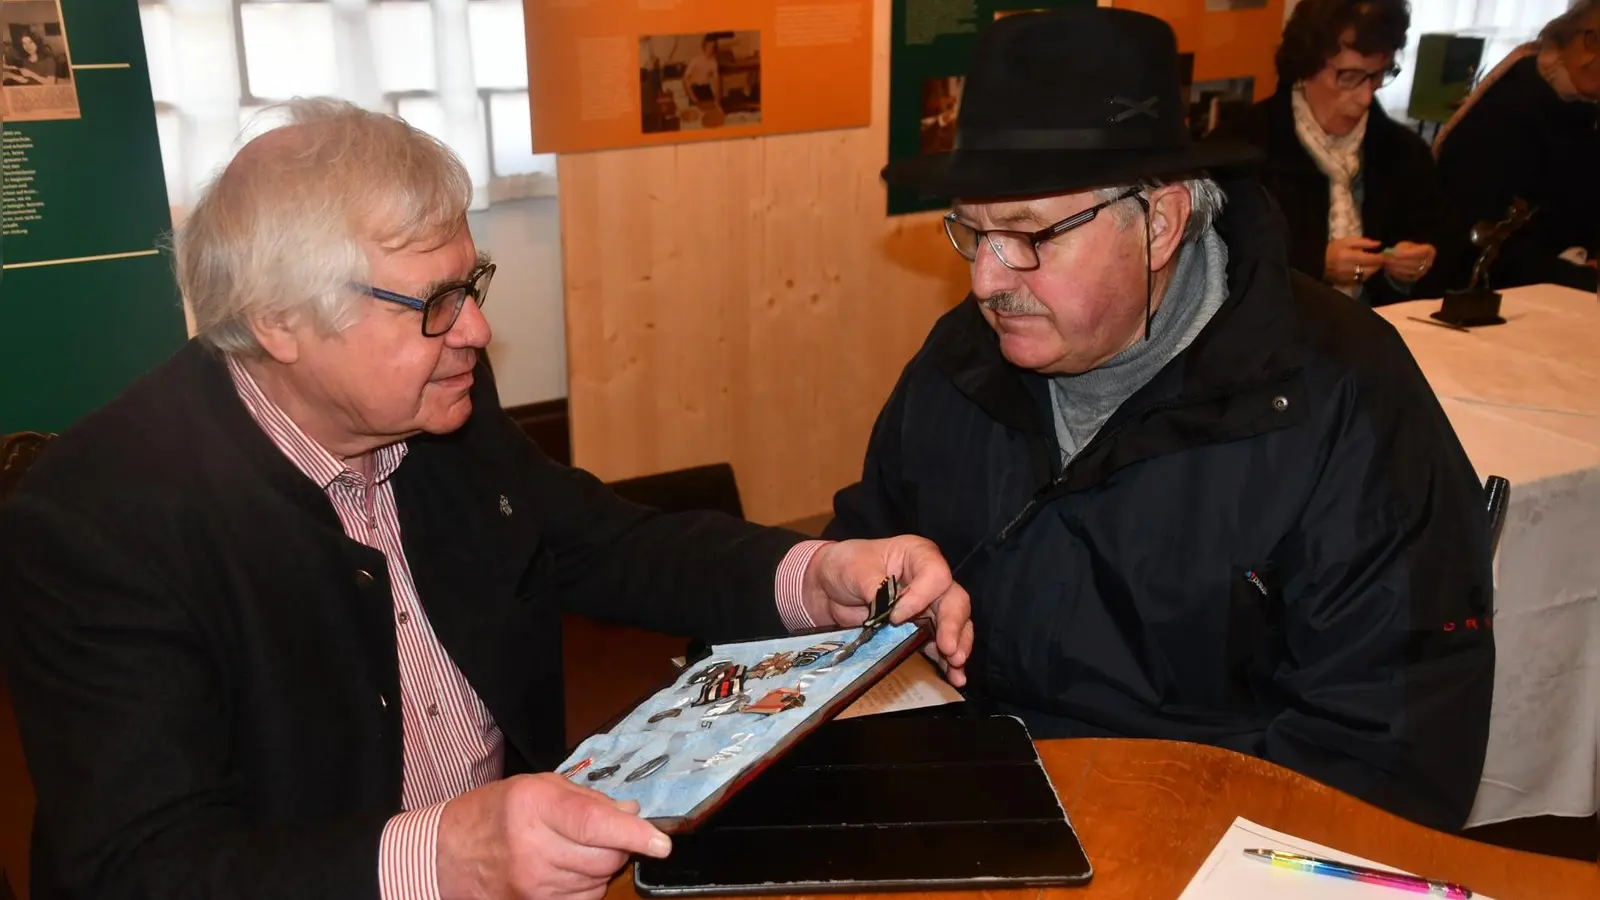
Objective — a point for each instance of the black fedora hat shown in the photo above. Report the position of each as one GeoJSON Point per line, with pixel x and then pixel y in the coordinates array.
{"type": "Point", "coordinates": [1066, 100]}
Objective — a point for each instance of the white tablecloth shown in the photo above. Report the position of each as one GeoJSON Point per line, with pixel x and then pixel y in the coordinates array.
{"type": "Point", "coordinates": [1525, 400]}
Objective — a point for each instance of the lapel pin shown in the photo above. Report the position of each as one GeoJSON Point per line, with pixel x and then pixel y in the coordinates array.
{"type": "Point", "coordinates": [505, 506]}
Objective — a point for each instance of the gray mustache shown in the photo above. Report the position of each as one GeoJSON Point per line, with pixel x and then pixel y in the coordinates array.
{"type": "Point", "coordinates": [1012, 303]}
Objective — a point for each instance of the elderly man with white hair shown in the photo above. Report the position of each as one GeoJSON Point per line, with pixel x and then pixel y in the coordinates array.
{"type": "Point", "coordinates": [1194, 495]}
{"type": "Point", "coordinates": [283, 620]}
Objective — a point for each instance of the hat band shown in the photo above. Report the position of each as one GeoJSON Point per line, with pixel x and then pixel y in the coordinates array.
{"type": "Point", "coordinates": [1047, 139]}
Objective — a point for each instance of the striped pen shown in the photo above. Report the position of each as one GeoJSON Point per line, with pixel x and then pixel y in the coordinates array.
{"type": "Point", "coordinates": [1336, 869]}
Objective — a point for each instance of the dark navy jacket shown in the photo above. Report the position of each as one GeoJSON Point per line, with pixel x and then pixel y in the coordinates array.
{"type": "Point", "coordinates": [1277, 545]}
{"type": "Point", "coordinates": [204, 664]}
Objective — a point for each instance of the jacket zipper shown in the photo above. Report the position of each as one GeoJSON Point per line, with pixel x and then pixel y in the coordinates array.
{"type": "Point", "coordinates": [1032, 506]}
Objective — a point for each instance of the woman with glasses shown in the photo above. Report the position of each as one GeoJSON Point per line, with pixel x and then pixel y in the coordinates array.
{"type": "Point", "coordinates": [1531, 130]}
{"type": "Point", "coordinates": [1360, 191]}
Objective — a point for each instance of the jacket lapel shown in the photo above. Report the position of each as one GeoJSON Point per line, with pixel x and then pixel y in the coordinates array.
{"type": "Point", "coordinates": [474, 561]}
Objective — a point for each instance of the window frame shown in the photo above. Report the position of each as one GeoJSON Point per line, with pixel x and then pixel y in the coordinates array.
{"type": "Point", "coordinates": [248, 99]}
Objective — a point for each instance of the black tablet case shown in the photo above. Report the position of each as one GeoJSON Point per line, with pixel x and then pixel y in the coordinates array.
{"type": "Point", "coordinates": [881, 803]}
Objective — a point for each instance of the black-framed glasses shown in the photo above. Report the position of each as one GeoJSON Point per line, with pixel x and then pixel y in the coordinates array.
{"type": "Point", "coordinates": [1019, 250]}
{"type": "Point", "coordinates": [440, 311]}
{"type": "Point", "coordinates": [1350, 79]}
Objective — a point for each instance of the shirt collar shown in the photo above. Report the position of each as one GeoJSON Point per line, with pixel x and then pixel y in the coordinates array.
{"type": "Point", "coordinates": [311, 458]}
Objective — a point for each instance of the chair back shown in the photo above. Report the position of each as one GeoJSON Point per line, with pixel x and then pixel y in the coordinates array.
{"type": "Point", "coordinates": [1496, 496]}
{"type": "Point", "coordinates": [710, 487]}
{"type": "Point", "coordinates": [17, 453]}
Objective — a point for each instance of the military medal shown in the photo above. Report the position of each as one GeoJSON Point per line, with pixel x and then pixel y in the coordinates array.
{"type": "Point", "coordinates": [605, 772]}
{"type": "Point", "coordinates": [729, 683]}
{"type": "Point", "coordinates": [577, 767]}
{"type": "Point", "coordinates": [648, 769]}
{"type": "Point", "coordinates": [815, 652]}
{"type": "Point", "coordinates": [775, 664]}
{"type": "Point", "coordinates": [712, 672]}
{"type": "Point", "coordinates": [882, 606]}
{"type": "Point", "coordinates": [668, 713]}
{"type": "Point", "coordinates": [734, 704]}
{"type": "Point", "coordinates": [777, 701]}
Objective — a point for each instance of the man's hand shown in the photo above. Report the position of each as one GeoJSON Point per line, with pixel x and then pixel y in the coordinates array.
{"type": "Point", "coordinates": [1351, 260]}
{"type": "Point", "coordinates": [842, 579]}
{"type": "Point", "coordinates": [538, 836]}
{"type": "Point", "coordinates": [1409, 261]}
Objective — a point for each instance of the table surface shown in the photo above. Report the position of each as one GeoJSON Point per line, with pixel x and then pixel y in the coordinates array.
{"type": "Point", "coordinates": [1148, 813]}
{"type": "Point", "coordinates": [1524, 397]}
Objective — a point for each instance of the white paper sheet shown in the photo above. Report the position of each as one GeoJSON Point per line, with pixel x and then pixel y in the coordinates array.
{"type": "Point", "coordinates": [913, 684]}
{"type": "Point", "coordinates": [1227, 874]}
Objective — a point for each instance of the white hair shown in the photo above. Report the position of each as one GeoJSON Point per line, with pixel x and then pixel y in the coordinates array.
{"type": "Point", "coordinates": [1205, 203]}
{"type": "Point", "coordinates": [279, 234]}
{"type": "Point", "coordinates": [1565, 28]}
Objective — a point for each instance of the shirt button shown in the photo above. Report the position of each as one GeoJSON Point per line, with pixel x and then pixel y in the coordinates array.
{"type": "Point", "coordinates": [433, 710]}
{"type": "Point", "coordinates": [363, 578]}
{"type": "Point", "coordinates": [403, 617]}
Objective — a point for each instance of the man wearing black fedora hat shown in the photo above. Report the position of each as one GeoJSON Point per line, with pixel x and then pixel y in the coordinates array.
{"type": "Point", "coordinates": [1194, 495]}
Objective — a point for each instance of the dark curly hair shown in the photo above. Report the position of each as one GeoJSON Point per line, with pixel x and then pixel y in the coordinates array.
{"type": "Point", "coordinates": [1312, 36]}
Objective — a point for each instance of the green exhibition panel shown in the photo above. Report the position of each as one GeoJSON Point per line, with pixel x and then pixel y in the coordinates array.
{"type": "Point", "coordinates": [87, 301]}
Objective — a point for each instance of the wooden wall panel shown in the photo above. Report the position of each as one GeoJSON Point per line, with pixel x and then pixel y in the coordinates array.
{"type": "Point", "coordinates": [745, 301]}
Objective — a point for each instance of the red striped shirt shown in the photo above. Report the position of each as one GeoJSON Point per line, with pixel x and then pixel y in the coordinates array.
{"type": "Point", "coordinates": [451, 742]}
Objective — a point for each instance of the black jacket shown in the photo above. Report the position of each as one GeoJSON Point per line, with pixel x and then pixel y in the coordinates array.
{"type": "Point", "coordinates": [1277, 545]}
{"type": "Point", "coordinates": [1520, 139]}
{"type": "Point", "coordinates": [204, 666]}
{"type": "Point", "coordinates": [1401, 195]}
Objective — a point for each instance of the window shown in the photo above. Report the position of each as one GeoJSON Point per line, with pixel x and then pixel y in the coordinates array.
{"type": "Point", "coordinates": [1503, 23]}
{"type": "Point", "coordinates": [454, 68]}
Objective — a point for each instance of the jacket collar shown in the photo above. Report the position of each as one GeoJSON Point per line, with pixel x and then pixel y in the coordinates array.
{"type": "Point", "coordinates": [1254, 338]}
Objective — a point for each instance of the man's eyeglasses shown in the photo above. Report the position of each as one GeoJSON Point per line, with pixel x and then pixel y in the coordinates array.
{"type": "Point", "coordinates": [440, 311]}
{"type": "Point", "coordinates": [1020, 249]}
{"type": "Point", "coordinates": [1350, 79]}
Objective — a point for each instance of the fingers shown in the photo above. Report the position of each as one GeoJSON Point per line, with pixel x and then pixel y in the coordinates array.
{"type": "Point", "coordinates": [591, 820]}
{"type": "Point", "coordinates": [1363, 243]}
{"type": "Point", "coordinates": [585, 864]}
{"type": "Point", "coordinates": [953, 622]}
{"type": "Point", "coordinates": [956, 672]}
{"type": "Point", "coordinates": [926, 576]}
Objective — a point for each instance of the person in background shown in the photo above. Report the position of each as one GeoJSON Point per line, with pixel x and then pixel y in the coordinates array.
{"type": "Point", "coordinates": [32, 62]}
{"type": "Point", "coordinates": [1531, 130]}
{"type": "Point", "coordinates": [702, 76]}
{"type": "Point", "coordinates": [1195, 494]}
{"type": "Point", "coordinates": [1361, 193]}
{"type": "Point", "coordinates": [284, 619]}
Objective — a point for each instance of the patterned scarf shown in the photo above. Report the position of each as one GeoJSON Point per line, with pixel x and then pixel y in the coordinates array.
{"type": "Point", "coordinates": [1339, 158]}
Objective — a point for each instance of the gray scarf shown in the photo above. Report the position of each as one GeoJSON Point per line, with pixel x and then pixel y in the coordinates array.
{"type": "Point", "coordinates": [1085, 401]}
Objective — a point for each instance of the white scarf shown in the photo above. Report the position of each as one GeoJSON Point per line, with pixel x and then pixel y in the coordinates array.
{"type": "Point", "coordinates": [1339, 158]}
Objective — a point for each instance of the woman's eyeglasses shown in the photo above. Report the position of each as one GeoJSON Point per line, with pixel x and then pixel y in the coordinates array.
{"type": "Point", "coordinates": [440, 311]}
{"type": "Point", "coordinates": [1350, 79]}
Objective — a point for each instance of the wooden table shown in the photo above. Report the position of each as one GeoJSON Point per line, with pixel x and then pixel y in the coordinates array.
{"type": "Point", "coordinates": [1149, 812]}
